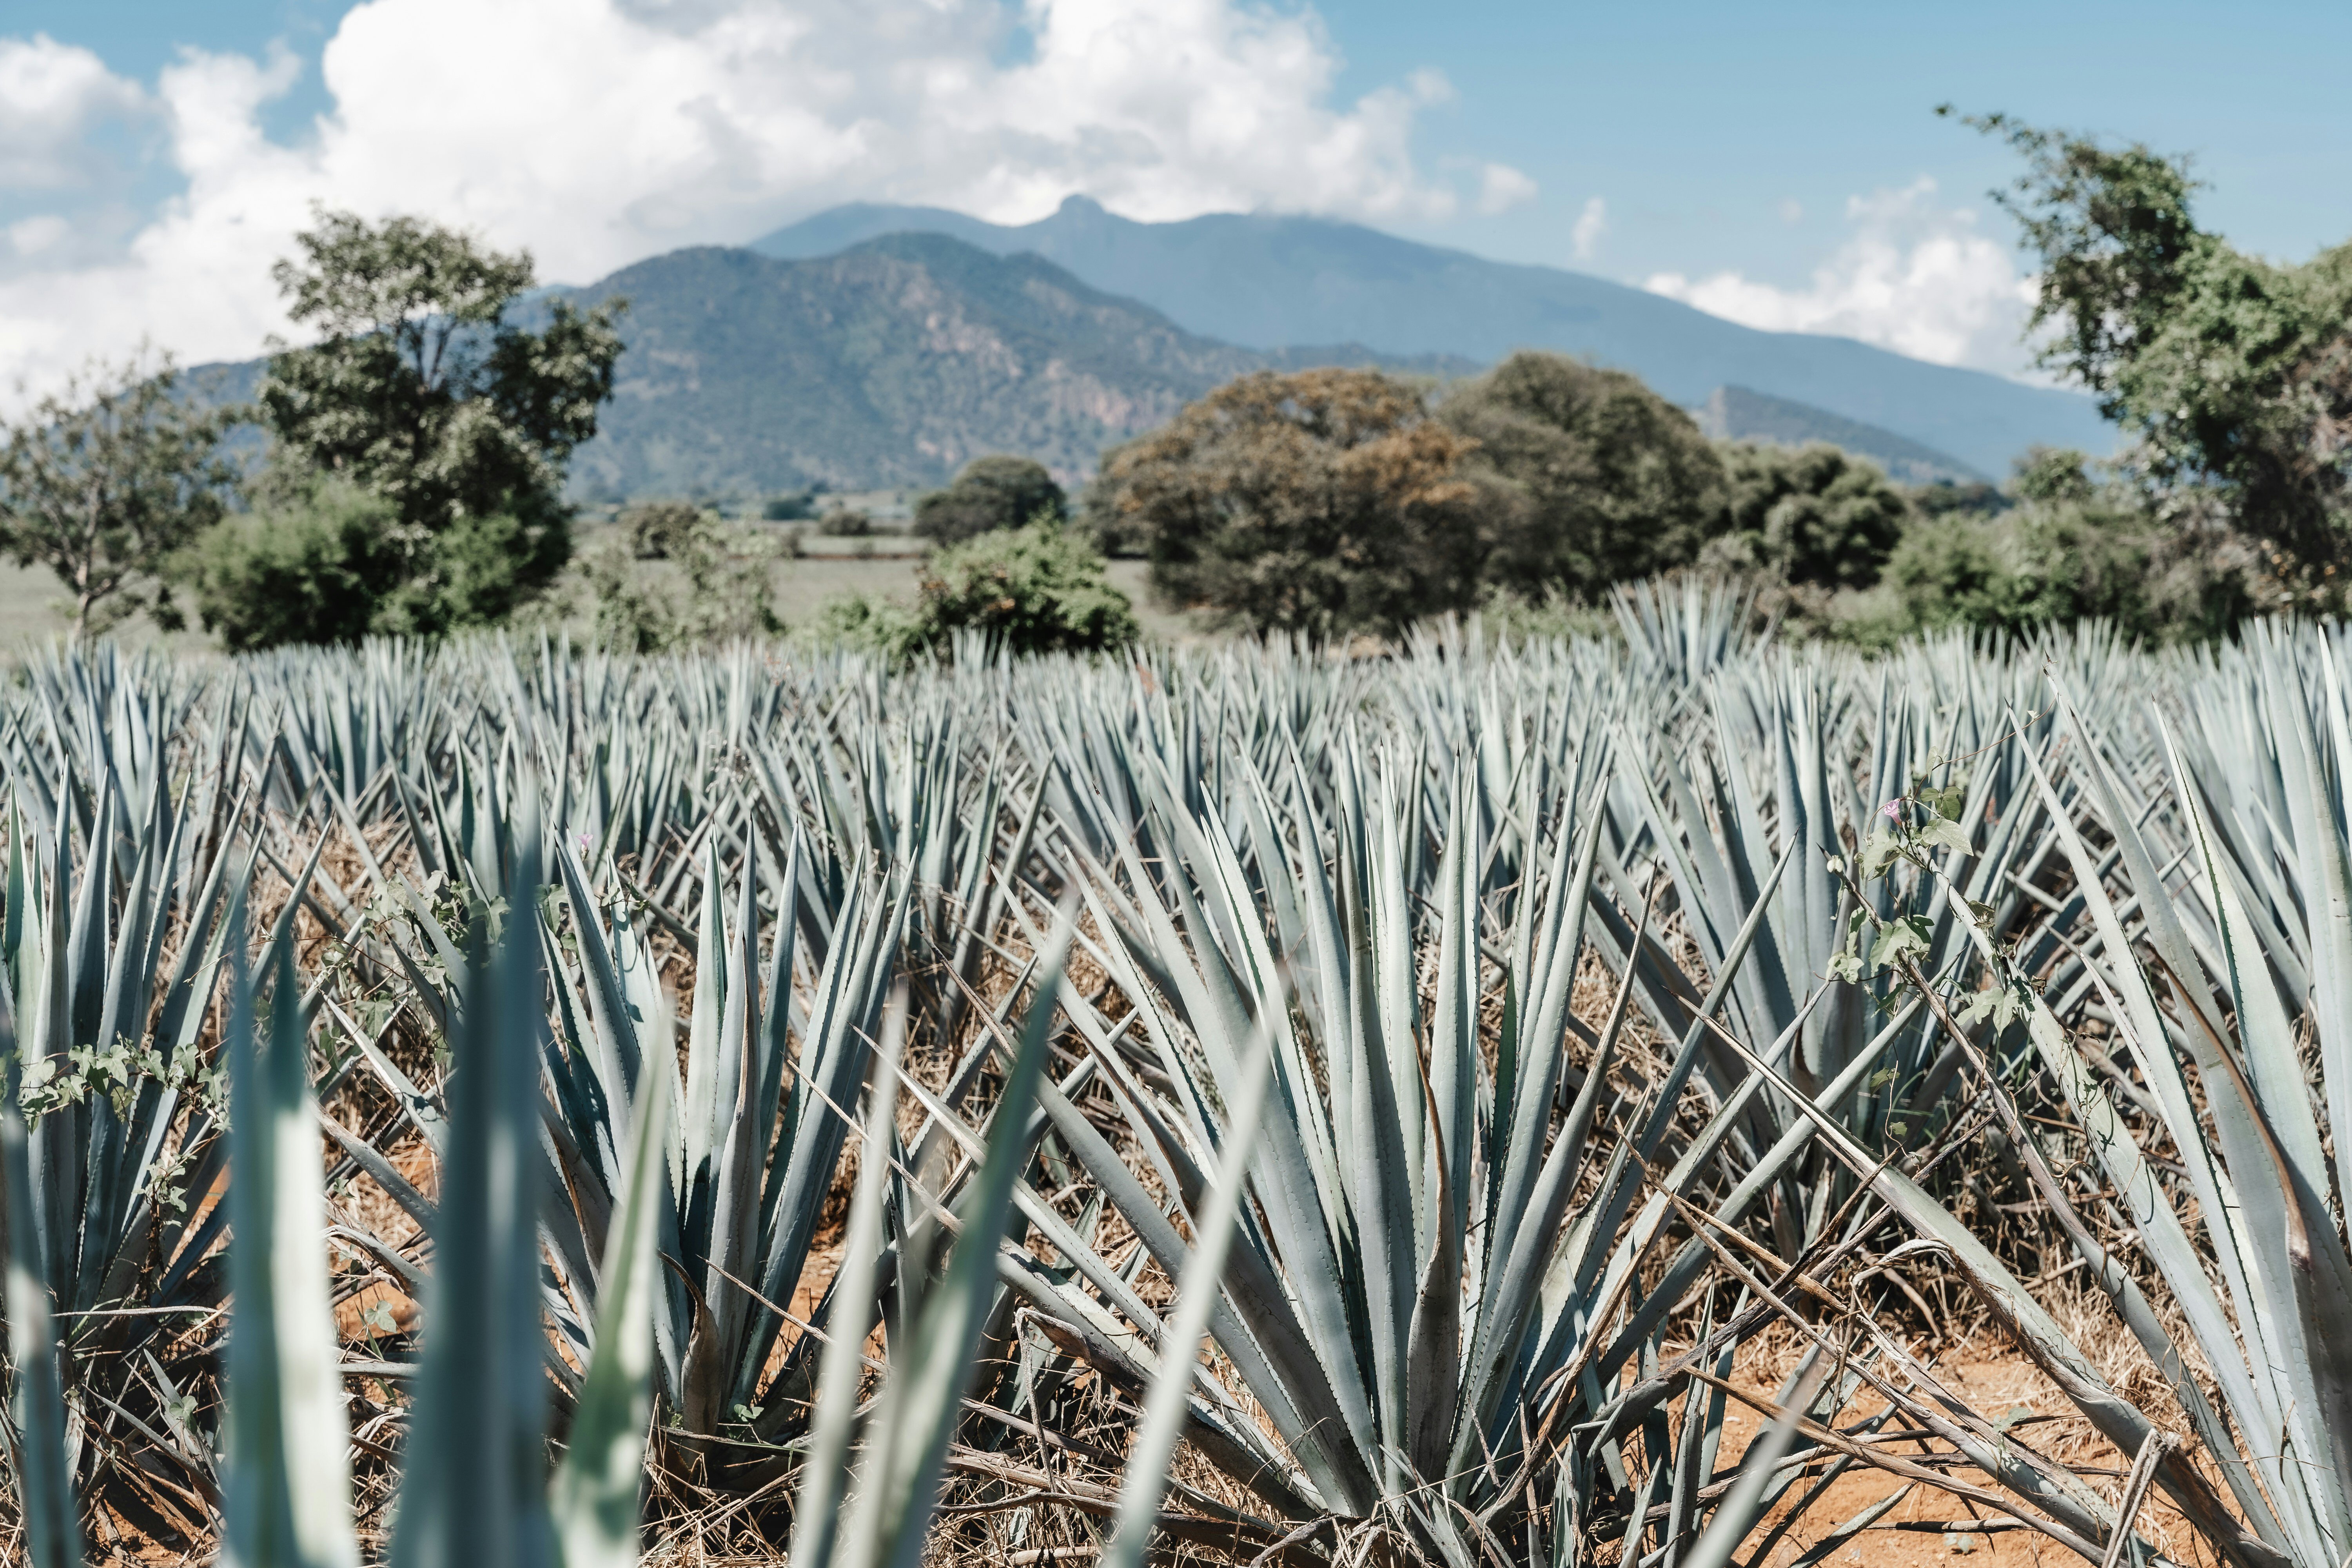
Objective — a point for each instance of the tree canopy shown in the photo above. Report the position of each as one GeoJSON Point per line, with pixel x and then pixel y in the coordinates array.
{"type": "Point", "coordinates": [1323, 501]}
{"type": "Point", "coordinates": [421, 391]}
{"type": "Point", "coordinates": [1812, 515]}
{"type": "Point", "coordinates": [1588, 476]}
{"type": "Point", "coordinates": [991, 493]}
{"type": "Point", "coordinates": [2233, 373]}
{"type": "Point", "coordinates": [104, 481]}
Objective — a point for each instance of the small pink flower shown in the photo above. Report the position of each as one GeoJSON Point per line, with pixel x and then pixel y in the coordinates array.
{"type": "Point", "coordinates": [1892, 810]}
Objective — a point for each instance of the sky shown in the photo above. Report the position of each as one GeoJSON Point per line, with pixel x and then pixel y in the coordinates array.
{"type": "Point", "coordinates": [1783, 166]}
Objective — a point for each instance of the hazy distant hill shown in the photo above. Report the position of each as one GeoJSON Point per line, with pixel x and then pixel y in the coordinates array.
{"type": "Point", "coordinates": [901, 358]}
{"type": "Point", "coordinates": [1263, 282]}
{"type": "Point", "coordinates": [1736, 413]}
{"type": "Point", "coordinates": [893, 362]}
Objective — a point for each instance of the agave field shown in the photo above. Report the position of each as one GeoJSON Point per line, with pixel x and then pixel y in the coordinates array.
{"type": "Point", "coordinates": [1547, 1104]}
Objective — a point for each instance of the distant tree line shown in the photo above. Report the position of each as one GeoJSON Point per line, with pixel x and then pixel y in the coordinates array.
{"type": "Point", "coordinates": [412, 479]}
{"type": "Point", "coordinates": [413, 474]}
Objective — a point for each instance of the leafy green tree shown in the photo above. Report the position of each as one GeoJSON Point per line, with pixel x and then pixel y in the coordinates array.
{"type": "Point", "coordinates": [2072, 547]}
{"type": "Point", "coordinates": [303, 566]}
{"type": "Point", "coordinates": [421, 391]}
{"type": "Point", "coordinates": [1032, 590]}
{"type": "Point", "coordinates": [1325, 502]}
{"type": "Point", "coordinates": [1808, 516]}
{"type": "Point", "coordinates": [1946, 498]}
{"type": "Point", "coordinates": [989, 494]}
{"type": "Point", "coordinates": [1035, 589]}
{"type": "Point", "coordinates": [2234, 373]}
{"type": "Point", "coordinates": [2053, 476]}
{"type": "Point", "coordinates": [104, 481]}
{"type": "Point", "coordinates": [1587, 477]}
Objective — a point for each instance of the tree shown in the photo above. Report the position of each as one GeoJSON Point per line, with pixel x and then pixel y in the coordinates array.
{"type": "Point", "coordinates": [104, 481]}
{"type": "Point", "coordinates": [2071, 546]}
{"type": "Point", "coordinates": [1325, 501]}
{"type": "Point", "coordinates": [302, 567]}
{"type": "Point", "coordinates": [1039, 588]}
{"type": "Point", "coordinates": [1590, 476]}
{"type": "Point", "coordinates": [1811, 516]}
{"type": "Point", "coordinates": [1032, 590]}
{"type": "Point", "coordinates": [421, 391]}
{"type": "Point", "coordinates": [2234, 373]}
{"type": "Point", "coordinates": [989, 494]}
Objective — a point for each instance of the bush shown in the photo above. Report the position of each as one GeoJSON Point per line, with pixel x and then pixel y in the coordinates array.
{"type": "Point", "coordinates": [1324, 502]}
{"type": "Point", "coordinates": [790, 509]}
{"type": "Point", "coordinates": [722, 589]}
{"type": "Point", "coordinates": [1515, 619]}
{"type": "Point", "coordinates": [846, 522]}
{"type": "Point", "coordinates": [1587, 478]}
{"type": "Point", "coordinates": [1808, 516]}
{"type": "Point", "coordinates": [656, 528]}
{"type": "Point", "coordinates": [2051, 563]}
{"type": "Point", "coordinates": [477, 572]}
{"type": "Point", "coordinates": [301, 570]}
{"type": "Point", "coordinates": [870, 624]}
{"type": "Point", "coordinates": [1037, 589]}
{"type": "Point", "coordinates": [991, 494]}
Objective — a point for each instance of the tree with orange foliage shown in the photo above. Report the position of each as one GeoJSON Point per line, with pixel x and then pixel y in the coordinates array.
{"type": "Point", "coordinates": [1325, 501]}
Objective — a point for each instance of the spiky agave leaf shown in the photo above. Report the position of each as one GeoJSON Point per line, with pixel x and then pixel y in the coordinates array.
{"type": "Point", "coordinates": [36, 1410]}
{"type": "Point", "coordinates": [287, 1491]}
{"type": "Point", "coordinates": [888, 1513]}
{"type": "Point", "coordinates": [593, 1498]}
{"type": "Point", "coordinates": [474, 1488]}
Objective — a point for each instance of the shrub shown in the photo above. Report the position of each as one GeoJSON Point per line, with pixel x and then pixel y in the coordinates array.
{"type": "Point", "coordinates": [790, 509]}
{"type": "Point", "coordinates": [2052, 562]}
{"type": "Point", "coordinates": [1808, 516]}
{"type": "Point", "coordinates": [846, 522]}
{"type": "Point", "coordinates": [722, 590]}
{"type": "Point", "coordinates": [656, 528]}
{"type": "Point", "coordinates": [871, 623]}
{"type": "Point", "coordinates": [1326, 502]}
{"type": "Point", "coordinates": [301, 570]}
{"type": "Point", "coordinates": [1035, 589]}
{"type": "Point", "coordinates": [991, 494]}
{"type": "Point", "coordinates": [1514, 618]}
{"type": "Point", "coordinates": [1589, 477]}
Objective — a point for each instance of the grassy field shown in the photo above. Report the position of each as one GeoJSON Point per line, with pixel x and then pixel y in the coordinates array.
{"type": "Point", "coordinates": [888, 565]}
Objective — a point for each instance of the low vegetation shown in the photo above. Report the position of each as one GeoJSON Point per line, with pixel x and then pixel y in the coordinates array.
{"type": "Point", "coordinates": [1569, 1088]}
{"type": "Point", "coordinates": [1036, 589]}
{"type": "Point", "coordinates": [989, 494]}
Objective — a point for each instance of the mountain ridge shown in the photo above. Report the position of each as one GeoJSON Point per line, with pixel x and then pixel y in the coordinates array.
{"type": "Point", "coordinates": [894, 362]}
{"type": "Point", "coordinates": [1263, 281]}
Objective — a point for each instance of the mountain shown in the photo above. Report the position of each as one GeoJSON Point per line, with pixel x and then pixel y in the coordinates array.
{"type": "Point", "coordinates": [899, 359]}
{"type": "Point", "coordinates": [893, 362]}
{"type": "Point", "coordinates": [1738, 414]}
{"type": "Point", "coordinates": [1263, 281]}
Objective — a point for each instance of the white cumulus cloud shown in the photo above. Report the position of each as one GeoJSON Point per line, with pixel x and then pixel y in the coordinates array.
{"type": "Point", "coordinates": [598, 132]}
{"type": "Point", "coordinates": [1591, 224]}
{"type": "Point", "coordinates": [54, 98]}
{"type": "Point", "coordinates": [1502, 187]}
{"type": "Point", "coordinates": [1913, 276]}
